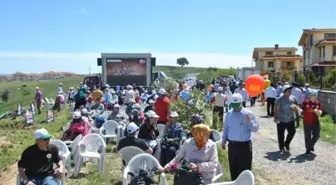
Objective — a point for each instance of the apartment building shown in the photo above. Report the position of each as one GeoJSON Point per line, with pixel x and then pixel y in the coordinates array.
{"type": "Point", "coordinates": [54, 75]}
{"type": "Point", "coordinates": [19, 76]}
{"type": "Point", "coordinates": [319, 50]}
{"type": "Point", "coordinates": [277, 60]}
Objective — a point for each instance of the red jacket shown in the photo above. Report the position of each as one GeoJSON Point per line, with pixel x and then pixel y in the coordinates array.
{"type": "Point", "coordinates": [162, 108]}
{"type": "Point", "coordinates": [309, 116]}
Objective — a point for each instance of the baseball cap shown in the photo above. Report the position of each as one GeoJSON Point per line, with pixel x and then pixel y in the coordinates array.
{"type": "Point", "coordinates": [174, 114]}
{"type": "Point", "coordinates": [42, 134]}
{"type": "Point", "coordinates": [152, 114]}
{"type": "Point", "coordinates": [116, 105]}
{"type": "Point", "coordinates": [237, 100]}
{"type": "Point", "coordinates": [85, 112]}
{"type": "Point", "coordinates": [76, 115]}
{"type": "Point", "coordinates": [132, 127]}
{"type": "Point", "coordinates": [306, 85]}
{"type": "Point", "coordinates": [136, 106]}
{"type": "Point", "coordinates": [162, 91]}
{"type": "Point", "coordinates": [312, 92]}
{"type": "Point", "coordinates": [150, 101]}
{"type": "Point", "coordinates": [286, 87]}
{"type": "Point", "coordinates": [220, 89]}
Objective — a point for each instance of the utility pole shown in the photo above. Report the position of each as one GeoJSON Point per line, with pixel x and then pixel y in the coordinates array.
{"type": "Point", "coordinates": [90, 70]}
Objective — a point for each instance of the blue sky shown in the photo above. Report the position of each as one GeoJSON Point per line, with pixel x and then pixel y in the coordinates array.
{"type": "Point", "coordinates": [64, 35]}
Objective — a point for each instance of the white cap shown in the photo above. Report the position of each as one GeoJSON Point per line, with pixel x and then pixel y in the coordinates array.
{"type": "Point", "coordinates": [42, 134]}
{"type": "Point", "coordinates": [285, 87]}
{"type": "Point", "coordinates": [85, 111]}
{"type": "Point", "coordinates": [162, 91]}
{"type": "Point", "coordinates": [236, 98]}
{"type": "Point", "coordinates": [152, 114]}
{"type": "Point", "coordinates": [220, 89]}
{"type": "Point", "coordinates": [116, 105]}
{"type": "Point", "coordinates": [306, 85]}
{"type": "Point", "coordinates": [37, 88]}
{"type": "Point", "coordinates": [136, 106]}
{"type": "Point", "coordinates": [174, 114]}
{"type": "Point", "coordinates": [132, 127]}
{"type": "Point", "coordinates": [150, 101]}
{"type": "Point", "coordinates": [60, 84]}
{"type": "Point", "coordinates": [76, 115]}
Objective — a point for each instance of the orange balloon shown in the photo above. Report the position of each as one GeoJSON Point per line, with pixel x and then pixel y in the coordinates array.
{"type": "Point", "coordinates": [184, 86]}
{"type": "Point", "coordinates": [254, 85]}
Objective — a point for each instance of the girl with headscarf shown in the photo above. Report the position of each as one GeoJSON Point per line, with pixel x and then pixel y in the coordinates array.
{"type": "Point", "coordinates": [80, 98]}
{"type": "Point", "coordinates": [199, 153]}
{"type": "Point", "coordinates": [196, 119]}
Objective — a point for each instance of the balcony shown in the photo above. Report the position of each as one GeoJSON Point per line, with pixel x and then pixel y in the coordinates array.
{"type": "Point", "coordinates": [287, 68]}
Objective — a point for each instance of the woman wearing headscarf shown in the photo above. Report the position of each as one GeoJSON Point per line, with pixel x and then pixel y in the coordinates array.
{"type": "Point", "coordinates": [80, 98]}
{"type": "Point", "coordinates": [199, 153]}
{"type": "Point", "coordinates": [77, 126]}
{"type": "Point", "coordinates": [172, 138]}
{"type": "Point", "coordinates": [149, 131]}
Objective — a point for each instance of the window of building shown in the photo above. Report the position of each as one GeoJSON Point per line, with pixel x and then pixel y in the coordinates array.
{"type": "Point", "coordinates": [289, 53]}
{"type": "Point", "coordinates": [323, 50]}
{"type": "Point", "coordinates": [289, 65]}
{"type": "Point", "coordinates": [334, 50]}
{"type": "Point", "coordinates": [311, 40]}
{"type": "Point", "coordinates": [329, 35]}
{"type": "Point", "coordinates": [304, 55]}
{"type": "Point", "coordinates": [269, 53]}
{"type": "Point", "coordinates": [270, 64]}
{"type": "Point", "coordinates": [320, 52]}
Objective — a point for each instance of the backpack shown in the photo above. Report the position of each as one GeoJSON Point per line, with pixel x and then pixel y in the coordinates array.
{"type": "Point", "coordinates": [187, 176]}
{"type": "Point", "coordinates": [142, 179]}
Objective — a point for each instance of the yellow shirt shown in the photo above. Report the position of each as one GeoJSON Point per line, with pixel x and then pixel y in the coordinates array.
{"type": "Point", "coordinates": [97, 95]}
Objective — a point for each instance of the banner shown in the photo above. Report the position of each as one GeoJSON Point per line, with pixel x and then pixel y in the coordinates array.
{"type": "Point", "coordinates": [50, 116]}
{"type": "Point", "coordinates": [29, 117]}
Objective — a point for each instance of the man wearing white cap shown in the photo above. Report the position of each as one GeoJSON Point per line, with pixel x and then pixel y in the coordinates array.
{"type": "Point", "coordinates": [131, 140]}
{"type": "Point", "coordinates": [36, 163]}
{"type": "Point", "coordinates": [238, 127]}
{"type": "Point", "coordinates": [219, 100]}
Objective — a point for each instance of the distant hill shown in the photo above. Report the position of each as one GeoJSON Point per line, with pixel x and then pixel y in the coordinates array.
{"type": "Point", "coordinates": [176, 71]}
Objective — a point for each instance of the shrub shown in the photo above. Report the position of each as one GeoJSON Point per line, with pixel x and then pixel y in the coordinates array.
{"type": "Point", "coordinates": [330, 79]}
{"type": "Point", "coordinates": [301, 79]}
{"type": "Point", "coordinates": [168, 84]}
{"type": "Point", "coordinates": [26, 91]}
{"type": "Point", "coordinates": [5, 95]}
{"type": "Point", "coordinates": [198, 106]}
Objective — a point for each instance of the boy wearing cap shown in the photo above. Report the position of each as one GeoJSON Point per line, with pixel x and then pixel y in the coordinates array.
{"type": "Point", "coordinates": [238, 127]}
{"type": "Point", "coordinates": [36, 163]}
{"type": "Point", "coordinates": [131, 140]}
{"type": "Point", "coordinates": [311, 111]}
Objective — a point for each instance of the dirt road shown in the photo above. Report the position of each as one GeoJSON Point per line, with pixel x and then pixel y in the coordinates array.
{"type": "Point", "coordinates": [293, 168]}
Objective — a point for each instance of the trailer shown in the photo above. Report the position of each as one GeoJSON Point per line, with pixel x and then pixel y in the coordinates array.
{"type": "Point", "coordinates": [243, 73]}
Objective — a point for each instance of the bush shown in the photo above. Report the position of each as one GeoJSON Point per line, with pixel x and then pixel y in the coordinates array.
{"type": "Point", "coordinates": [301, 79]}
{"type": "Point", "coordinates": [5, 95]}
{"type": "Point", "coordinates": [198, 106]}
{"type": "Point", "coordinates": [312, 77]}
{"type": "Point", "coordinates": [330, 79]}
{"type": "Point", "coordinates": [26, 91]}
{"type": "Point", "coordinates": [168, 84]}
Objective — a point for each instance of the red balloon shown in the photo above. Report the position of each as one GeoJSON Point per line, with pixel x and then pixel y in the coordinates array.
{"type": "Point", "coordinates": [254, 85]}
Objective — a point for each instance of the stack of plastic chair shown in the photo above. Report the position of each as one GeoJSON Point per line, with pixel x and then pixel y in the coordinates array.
{"type": "Point", "coordinates": [145, 162]}
{"type": "Point", "coordinates": [110, 130]}
{"type": "Point", "coordinates": [64, 152]}
{"type": "Point", "coordinates": [245, 178]}
{"type": "Point", "coordinates": [127, 153]}
{"type": "Point", "coordinates": [92, 146]}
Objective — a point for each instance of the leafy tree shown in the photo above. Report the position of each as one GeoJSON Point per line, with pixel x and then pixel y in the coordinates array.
{"type": "Point", "coordinates": [182, 61]}
{"type": "Point", "coordinates": [5, 95]}
{"type": "Point", "coordinates": [330, 79]}
{"type": "Point", "coordinates": [301, 79]}
{"type": "Point", "coordinates": [312, 77]}
{"type": "Point", "coordinates": [286, 77]}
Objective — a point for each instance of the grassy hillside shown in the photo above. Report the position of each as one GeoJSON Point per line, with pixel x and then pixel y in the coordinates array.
{"type": "Point", "coordinates": [26, 95]}
{"type": "Point", "coordinates": [176, 71]}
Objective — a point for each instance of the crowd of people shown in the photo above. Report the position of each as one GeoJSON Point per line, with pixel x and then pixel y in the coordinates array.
{"type": "Point", "coordinates": [196, 147]}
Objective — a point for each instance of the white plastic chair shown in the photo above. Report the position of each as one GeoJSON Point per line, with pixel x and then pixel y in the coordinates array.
{"type": "Point", "coordinates": [72, 145]}
{"type": "Point", "coordinates": [121, 130]}
{"type": "Point", "coordinates": [145, 162]}
{"type": "Point", "coordinates": [64, 152]}
{"type": "Point", "coordinates": [127, 153]}
{"type": "Point", "coordinates": [108, 112]}
{"type": "Point", "coordinates": [161, 128]}
{"type": "Point", "coordinates": [94, 148]}
{"type": "Point", "coordinates": [219, 173]}
{"type": "Point", "coordinates": [217, 136]}
{"type": "Point", "coordinates": [245, 178]}
{"type": "Point", "coordinates": [111, 129]}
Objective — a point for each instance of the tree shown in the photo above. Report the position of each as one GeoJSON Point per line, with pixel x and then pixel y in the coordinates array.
{"type": "Point", "coordinates": [182, 61]}
{"type": "Point", "coordinates": [330, 79]}
{"type": "Point", "coordinates": [312, 77]}
{"type": "Point", "coordinates": [286, 77]}
{"type": "Point", "coordinates": [301, 79]}
{"type": "Point", "coordinates": [5, 95]}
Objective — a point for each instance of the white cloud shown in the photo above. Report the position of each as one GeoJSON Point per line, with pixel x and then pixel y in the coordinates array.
{"type": "Point", "coordinates": [82, 60]}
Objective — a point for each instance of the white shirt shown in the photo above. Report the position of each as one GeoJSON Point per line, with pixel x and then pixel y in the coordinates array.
{"type": "Point", "coordinates": [271, 92]}
{"type": "Point", "coordinates": [219, 99]}
{"type": "Point", "coordinates": [228, 95]}
{"type": "Point", "coordinates": [130, 95]}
